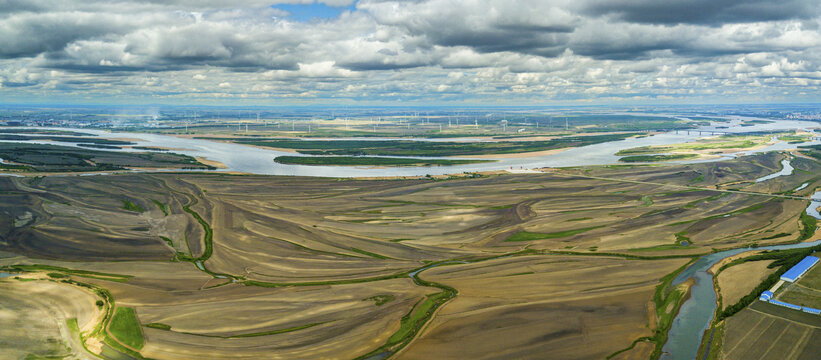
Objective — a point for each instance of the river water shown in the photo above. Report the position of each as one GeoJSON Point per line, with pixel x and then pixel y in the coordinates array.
{"type": "Point", "coordinates": [254, 160]}
{"type": "Point", "coordinates": [786, 170]}
{"type": "Point", "coordinates": [696, 313]}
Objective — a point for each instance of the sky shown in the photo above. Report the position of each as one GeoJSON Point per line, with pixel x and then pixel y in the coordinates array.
{"type": "Point", "coordinates": [384, 52]}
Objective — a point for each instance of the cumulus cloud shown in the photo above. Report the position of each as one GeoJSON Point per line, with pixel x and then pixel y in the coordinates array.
{"type": "Point", "coordinates": [425, 50]}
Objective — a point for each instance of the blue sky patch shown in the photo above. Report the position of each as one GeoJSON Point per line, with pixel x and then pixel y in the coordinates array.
{"type": "Point", "coordinates": [307, 12]}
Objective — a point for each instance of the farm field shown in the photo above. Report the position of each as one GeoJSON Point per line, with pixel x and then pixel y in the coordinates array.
{"type": "Point", "coordinates": [558, 305]}
{"type": "Point", "coordinates": [37, 317]}
{"type": "Point", "coordinates": [242, 267]}
{"type": "Point", "coordinates": [737, 281]}
{"type": "Point", "coordinates": [764, 330]}
{"type": "Point", "coordinates": [806, 291]}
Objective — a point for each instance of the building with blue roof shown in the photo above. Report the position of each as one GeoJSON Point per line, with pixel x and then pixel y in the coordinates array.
{"type": "Point", "coordinates": [766, 296]}
{"type": "Point", "coordinates": [799, 269]}
{"type": "Point", "coordinates": [811, 310]}
{"type": "Point", "coordinates": [786, 305]}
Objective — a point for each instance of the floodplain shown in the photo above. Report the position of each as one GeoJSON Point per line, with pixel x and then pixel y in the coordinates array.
{"type": "Point", "coordinates": [246, 266]}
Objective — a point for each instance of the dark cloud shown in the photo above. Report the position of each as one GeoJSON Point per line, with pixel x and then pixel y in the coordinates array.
{"type": "Point", "coordinates": [706, 12]}
{"type": "Point", "coordinates": [379, 65]}
{"type": "Point", "coordinates": [28, 34]}
{"type": "Point", "coordinates": [498, 40]}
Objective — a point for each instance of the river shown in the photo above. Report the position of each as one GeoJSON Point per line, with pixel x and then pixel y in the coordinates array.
{"type": "Point", "coordinates": [696, 313]}
{"type": "Point", "coordinates": [255, 160]}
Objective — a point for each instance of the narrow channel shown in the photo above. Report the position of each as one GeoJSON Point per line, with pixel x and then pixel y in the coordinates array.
{"type": "Point", "coordinates": [696, 313]}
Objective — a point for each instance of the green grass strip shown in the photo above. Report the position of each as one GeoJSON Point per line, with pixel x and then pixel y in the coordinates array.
{"type": "Point", "coordinates": [368, 253]}
{"type": "Point", "coordinates": [274, 332]}
{"type": "Point", "coordinates": [162, 206]}
{"type": "Point", "coordinates": [80, 273]}
{"type": "Point", "coordinates": [159, 326]}
{"type": "Point", "coordinates": [528, 236]}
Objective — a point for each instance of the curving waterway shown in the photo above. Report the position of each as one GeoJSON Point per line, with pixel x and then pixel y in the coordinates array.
{"type": "Point", "coordinates": [255, 160]}
{"type": "Point", "coordinates": [696, 313]}
{"type": "Point", "coordinates": [786, 170]}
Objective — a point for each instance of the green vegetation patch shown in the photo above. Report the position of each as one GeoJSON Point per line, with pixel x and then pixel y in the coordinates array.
{"type": "Point", "coordinates": [429, 148]}
{"type": "Point", "coordinates": [522, 273]}
{"type": "Point", "coordinates": [370, 161]}
{"type": "Point", "coordinates": [658, 248]}
{"type": "Point", "coordinates": [794, 139]}
{"type": "Point", "coordinates": [667, 300]}
{"type": "Point", "coordinates": [808, 226]}
{"type": "Point", "coordinates": [130, 206]}
{"type": "Point", "coordinates": [73, 326]}
{"type": "Point", "coordinates": [247, 335]}
{"type": "Point", "coordinates": [163, 207]}
{"type": "Point", "coordinates": [528, 236]}
{"type": "Point", "coordinates": [368, 253]}
{"type": "Point", "coordinates": [55, 271]}
{"type": "Point", "coordinates": [125, 327]}
{"type": "Point", "coordinates": [54, 158]}
{"type": "Point", "coordinates": [656, 158]}
{"type": "Point", "coordinates": [67, 139]}
{"type": "Point", "coordinates": [412, 321]}
{"type": "Point", "coordinates": [274, 332]}
{"type": "Point", "coordinates": [159, 326]}
{"type": "Point", "coordinates": [380, 299]}
{"type": "Point", "coordinates": [729, 141]}
{"type": "Point", "coordinates": [98, 146]}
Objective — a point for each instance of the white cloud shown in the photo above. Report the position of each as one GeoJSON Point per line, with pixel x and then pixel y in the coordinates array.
{"type": "Point", "coordinates": [498, 50]}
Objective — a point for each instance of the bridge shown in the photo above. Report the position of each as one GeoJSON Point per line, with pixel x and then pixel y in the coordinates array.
{"type": "Point", "coordinates": [708, 132]}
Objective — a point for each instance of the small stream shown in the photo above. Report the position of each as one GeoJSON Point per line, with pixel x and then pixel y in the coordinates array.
{"type": "Point", "coordinates": [4, 275]}
{"type": "Point", "coordinates": [696, 313]}
{"type": "Point", "coordinates": [786, 170]}
{"type": "Point", "coordinates": [201, 267]}
{"type": "Point", "coordinates": [413, 276]}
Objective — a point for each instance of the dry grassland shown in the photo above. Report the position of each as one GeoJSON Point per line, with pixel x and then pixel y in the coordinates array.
{"type": "Point", "coordinates": [562, 307]}
{"type": "Point", "coordinates": [737, 281]}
